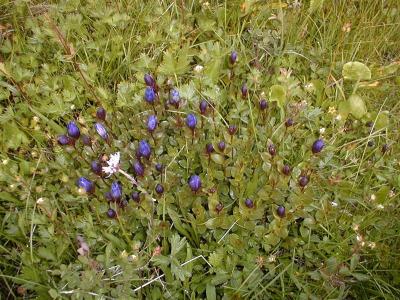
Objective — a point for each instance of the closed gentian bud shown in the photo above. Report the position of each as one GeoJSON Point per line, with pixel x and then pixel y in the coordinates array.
{"type": "Point", "coordinates": [152, 123]}
{"type": "Point", "coordinates": [203, 107]}
{"type": "Point", "coordinates": [174, 97]}
{"type": "Point", "coordinates": [281, 211]}
{"type": "Point", "coordinates": [138, 168]}
{"type": "Point", "coordinates": [289, 122]}
{"type": "Point", "coordinates": [219, 207]}
{"type": "Point", "coordinates": [144, 149]}
{"type": "Point", "coordinates": [221, 146]}
{"type": "Point", "coordinates": [233, 57]}
{"type": "Point", "coordinates": [149, 80]}
{"type": "Point", "coordinates": [135, 196]}
{"type": "Point", "coordinates": [263, 104]}
{"type": "Point", "coordinates": [108, 196]}
{"type": "Point", "coordinates": [73, 130]}
{"type": "Point", "coordinates": [101, 130]}
{"type": "Point", "coordinates": [149, 95]}
{"type": "Point", "coordinates": [303, 181]}
{"type": "Point", "coordinates": [101, 114]}
{"type": "Point", "coordinates": [64, 140]}
{"type": "Point", "coordinates": [317, 146]}
{"type": "Point", "coordinates": [111, 213]}
{"type": "Point", "coordinates": [86, 140]}
{"type": "Point", "coordinates": [159, 167]}
{"type": "Point", "coordinates": [244, 90]}
{"type": "Point", "coordinates": [86, 184]}
{"type": "Point", "coordinates": [249, 203]}
{"type": "Point", "coordinates": [232, 129]}
{"type": "Point", "coordinates": [272, 149]}
{"type": "Point", "coordinates": [191, 121]}
{"type": "Point", "coordinates": [194, 183]}
{"type": "Point", "coordinates": [209, 148]}
{"type": "Point", "coordinates": [116, 191]}
{"type": "Point", "coordinates": [123, 203]}
{"type": "Point", "coordinates": [96, 167]}
{"type": "Point", "coordinates": [159, 188]}
{"type": "Point", "coordinates": [286, 169]}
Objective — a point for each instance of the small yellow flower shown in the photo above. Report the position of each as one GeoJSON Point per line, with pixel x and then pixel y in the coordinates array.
{"type": "Point", "coordinates": [332, 110]}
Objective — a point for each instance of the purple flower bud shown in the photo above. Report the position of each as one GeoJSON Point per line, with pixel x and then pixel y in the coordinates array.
{"type": "Point", "coordinates": [108, 196]}
{"type": "Point", "coordinates": [263, 104]}
{"type": "Point", "coordinates": [123, 203]}
{"type": "Point", "coordinates": [86, 140]}
{"type": "Point", "coordinates": [138, 168]}
{"type": "Point", "coordinates": [101, 114]}
{"type": "Point", "coordinates": [101, 130]}
{"type": "Point", "coordinates": [221, 146]}
{"type": "Point", "coordinates": [249, 203]}
{"type": "Point", "coordinates": [149, 80]}
{"type": "Point", "coordinates": [289, 122]}
{"type": "Point", "coordinates": [281, 211]}
{"type": "Point", "coordinates": [233, 57]}
{"type": "Point", "coordinates": [152, 123]}
{"type": "Point", "coordinates": [73, 130]}
{"type": "Point", "coordinates": [116, 191]}
{"type": "Point", "coordinates": [159, 188]}
{"type": "Point", "coordinates": [203, 107]}
{"type": "Point", "coordinates": [144, 149]}
{"type": "Point", "coordinates": [385, 148]}
{"type": "Point", "coordinates": [149, 95]}
{"type": "Point", "coordinates": [272, 149]}
{"type": "Point", "coordinates": [96, 167]}
{"type": "Point", "coordinates": [111, 213]}
{"type": "Point", "coordinates": [219, 207]}
{"type": "Point", "coordinates": [86, 184]}
{"type": "Point", "coordinates": [64, 140]}
{"type": "Point", "coordinates": [135, 196]}
{"type": "Point", "coordinates": [194, 183]}
{"type": "Point", "coordinates": [209, 148]}
{"type": "Point", "coordinates": [317, 146]}
{"type": "Point", "coordinates": [191, 121]}
{"type": "Point", "coordinates": [244, 90]}
{"type": "Point", "coordinates": [286, 169]}
{"type": "Point", "coordinates": [303, 181]}
{"type": "Point", "coordinates": [232, 129]}
{"type": "Point", "coordinates": [159, 167]}
{"type": "Point", "coordinates": [174, 97]}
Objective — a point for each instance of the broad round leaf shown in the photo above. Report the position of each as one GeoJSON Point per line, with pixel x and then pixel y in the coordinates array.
{"type": "Point", "coordinates": [356, 71]}
{"type": "Point", "coordinates": [277, 93]}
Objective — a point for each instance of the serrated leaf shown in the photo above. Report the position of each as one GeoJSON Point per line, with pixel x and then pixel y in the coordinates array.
{"type": "Point", "coordinates": [177, 64]}
{"type": "Point", "coordinates": [277, 93]}
{"type": "Point", "coordinates": [356, 71]}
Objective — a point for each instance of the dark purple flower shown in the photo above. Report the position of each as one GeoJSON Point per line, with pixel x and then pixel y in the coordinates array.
{"type": "Point", "coordinates": [289, 122]}
{"type": "Point", "coordinates": [286, 169]}
{"type": "Point", "coordinates": [96, 167]}
{"type": "Point", "coordinates": [86, 140]}
{"type": "Point", "coordinates": [174, 97]}
{"type": "Point", "coordinates": [64, 140]}
{"type": "Point", "coordinates": [244, 90]}
{"type": "Point", "coordinates": [209, 148]}
{"type": "Point", "coordinates": [101, 114]}
{"type": "Point", "coordinates": [219, 207]}
{"type": "Point", "coordinates": [249, 203]}
{"type": "Point", "coordinates": [272, 149]}
{"type": "Point", "coordinates": [73, 130]}
{"type": "Point", "coordinates": [159, 188]}
{"type": "Point", "coordinates": [149, 95]}
{"type": "Point", "coordinates": [303, 181]}
{"type": "Point", "coordinates": [116, 191]}
{"type": "Point", "coordinates": [152, 123]}
{"type": "Point", "coordinates": [385, 148]}
{"type": "Point", "coordinates": [138, 168]}
{"type": "Point", "coordinates": [263, 104]}
{"type": "Point", "coordinates": [107, 195]}
{"type": "Point", "coordinates": [191, 121]}
{"type": "Point", "coordinates": [135, 196]}
{"type": "Point", "coordinates": [101, 130]}
{"type": "Point", "coordinates": [86, 184]}
{"type": "Point", "coordinates": [111, 213]}
{"type": "Point", "coordinates": [232, 129]}
{"type": "Point", "coordinates": [149, 80]}
{"type": "Point", "coordinates": [317, 146]}
{"type": "Point", "coordinates": [233, 57]}
{"type": "Point", "coordinates": [144, 149]}
{"type": "Point", "coordinates": [194, 183]}
{"type": "Point", "coordinates": [203, 107]}
{"type": "Point", "coordinates": [221, 146]}
{"type": "Point", "coordinates": [281, 211]}
{"type": "Point", "coordinates": [159, 167]}
{"type": "Point", "coordinates": [123, 203]}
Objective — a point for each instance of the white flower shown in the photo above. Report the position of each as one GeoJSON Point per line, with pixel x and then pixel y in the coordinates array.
{"type": "Point", "coordinates": [334, 204]}
{"type": "Point", "coordinates": [322, 130]}
{"type": "Point", "coordinates": [380, 206]}
{"type": "Point", "coordinates": [198, 68]}
{"type": "Point", "coordinates": [113, 164]}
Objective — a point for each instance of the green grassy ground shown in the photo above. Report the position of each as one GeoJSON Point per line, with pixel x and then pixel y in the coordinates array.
{"type": "Point", "coordinates": [339, 238]}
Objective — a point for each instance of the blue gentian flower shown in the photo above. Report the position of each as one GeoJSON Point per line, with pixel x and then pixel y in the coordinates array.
{"type": "Point", "coordinates": [86, 184]}
{"type": "Point", "coordinates": [101, 130]}
{"type": "Point", "coordinates": [281, 211]}
{"type": "Point", "coordinates": [249, 203]}
{"type": "Point", "coordinates": [203, 107]}
{"type": "Point", "coordinates": [86, 140]}
{"type": "Point", "coordinates": [233, 57]}
{"type": "Point", "coordinates": [73, 130]}
{"type": "Point", "coordinates": [138, 168]}
{"type": "Point", "coordinates": [244, 90]}
{"type": "Point", "coordinates": [317, 146]}
{"type": "Point", "coordinates": [174, 97]}
{"type": "Point", "coordinates": [194, 183]}
{"type": "Point", "coordinates": [263, 104]}
{"type": "Point", "coordinates": [149, 95]}
{"type": "Point", "coordinates": [191, 121]}
{"type": "Point", "coordinates": [152, 123]}
{"type": "Point", "coordinates": [221, 146]}
{"type": "Point", "coordinates": [159, 188]}
{"type": "Point", "coordinates": [144, 149]}
{"type": "Point", "coordinates": [116, 191]}
{"type": "Point", "coordinates": [101, 113]}
{"type": "Point", "coordinates": [149, 80]}
{"type": "Point", "coordinates": [96, 167]}
{"type": "Point", "coordinates": [64, 140]}
{"type": "Point", "coordinates": [111, 213]}
{"type": "Point", "coordinates": [209, 148]}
